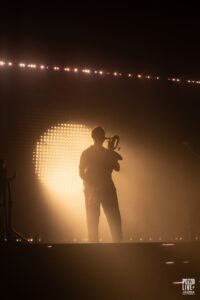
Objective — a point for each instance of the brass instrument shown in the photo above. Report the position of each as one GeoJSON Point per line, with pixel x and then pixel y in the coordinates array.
{"type": "Point", "coordinates": [113, 142]}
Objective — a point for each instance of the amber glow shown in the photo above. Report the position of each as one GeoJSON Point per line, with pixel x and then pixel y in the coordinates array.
{"type": "Point", "coordinates": [57, 155]}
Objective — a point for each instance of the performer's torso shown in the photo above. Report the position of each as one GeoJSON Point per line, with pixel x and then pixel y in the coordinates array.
{"type": "Point", "coordinates": [99, 167]}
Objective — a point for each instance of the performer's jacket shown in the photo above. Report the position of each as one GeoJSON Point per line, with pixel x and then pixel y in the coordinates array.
{"type": "Point", "coordinates": [96, 166]}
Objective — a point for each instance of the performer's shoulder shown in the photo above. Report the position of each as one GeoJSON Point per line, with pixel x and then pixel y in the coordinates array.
{"type": "Point", "coordinates": [88, 150]}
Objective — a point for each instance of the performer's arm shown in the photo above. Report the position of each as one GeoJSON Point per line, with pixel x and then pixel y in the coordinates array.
{"type": "Point", "coordinates": [116, 158]}
{"type": "Point", "coordinates": [82, 167]}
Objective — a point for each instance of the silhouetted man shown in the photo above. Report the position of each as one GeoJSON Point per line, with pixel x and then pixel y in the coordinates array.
{"type": "Point", "coordinates": [96, 166]}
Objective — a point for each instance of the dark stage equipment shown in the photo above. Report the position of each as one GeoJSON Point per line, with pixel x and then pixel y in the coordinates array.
{"type": "Point", "coordinates": [8, 234]}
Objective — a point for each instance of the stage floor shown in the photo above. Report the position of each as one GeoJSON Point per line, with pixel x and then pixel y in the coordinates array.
{"type": "Point", "coordinates": [99, 271]}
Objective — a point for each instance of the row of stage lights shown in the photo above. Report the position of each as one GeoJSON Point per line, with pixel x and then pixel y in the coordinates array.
{"type": "Point", "coordinates": [129, 240]}
{"type": "Point", "coordinates": [23, 65]}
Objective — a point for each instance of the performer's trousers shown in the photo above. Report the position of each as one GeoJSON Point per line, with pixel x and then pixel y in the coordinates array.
{"type": "Point", "coordinates": [108, 199]}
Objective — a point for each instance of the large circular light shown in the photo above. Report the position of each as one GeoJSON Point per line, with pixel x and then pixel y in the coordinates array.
{"type": "Point", "coordinates": [57, 156]}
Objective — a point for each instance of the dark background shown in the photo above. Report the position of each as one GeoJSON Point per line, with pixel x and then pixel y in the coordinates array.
{"type": "Point", "coordinates": [146, 36]}
{"type": "Point", "coordinates": [156, 120]}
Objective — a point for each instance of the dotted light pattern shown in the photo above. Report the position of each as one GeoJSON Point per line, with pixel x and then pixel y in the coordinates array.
{"type": "Point", "coordinates": [88, 71]}
{"type": "Point", "coordinates": [57, 156]}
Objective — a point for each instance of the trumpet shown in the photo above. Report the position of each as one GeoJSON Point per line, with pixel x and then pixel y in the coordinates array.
{"type": "Point", "coordinates": [113, 142]}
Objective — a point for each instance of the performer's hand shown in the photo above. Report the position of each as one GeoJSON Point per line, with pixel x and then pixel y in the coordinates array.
{"type": "Point", "coordinates": [116, 167]}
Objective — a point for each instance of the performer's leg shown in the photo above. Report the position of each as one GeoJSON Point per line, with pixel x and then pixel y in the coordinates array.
{"type": "Point", "coordinates": [111, 210]}
{"type": "Point", "coordinates": [92, 214]}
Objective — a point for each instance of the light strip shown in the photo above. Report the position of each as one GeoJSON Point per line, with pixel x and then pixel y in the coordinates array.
{"type": "Point", "coordinates": [22, 65]}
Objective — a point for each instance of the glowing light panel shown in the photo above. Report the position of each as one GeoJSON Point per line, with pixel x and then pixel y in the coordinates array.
{"type": "Point", "coordinates": [57, 156]}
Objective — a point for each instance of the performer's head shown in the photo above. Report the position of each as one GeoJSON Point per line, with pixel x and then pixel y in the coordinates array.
{"type": "Point", "coordinates": [98, 135]}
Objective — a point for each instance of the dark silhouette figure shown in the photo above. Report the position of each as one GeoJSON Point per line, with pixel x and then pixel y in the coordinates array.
{"type": "Point", "coordinates": [8, 234]}
{"type": "Point", "coordinates": [96, 166]}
